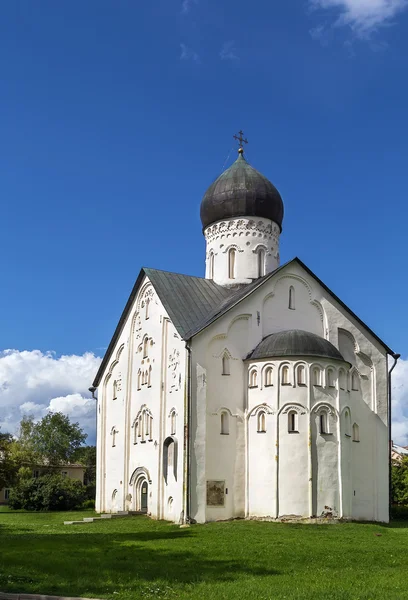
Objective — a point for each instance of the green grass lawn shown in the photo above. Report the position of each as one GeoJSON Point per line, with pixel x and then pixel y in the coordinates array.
{"type": "Point", "coordinates": [139, 558]}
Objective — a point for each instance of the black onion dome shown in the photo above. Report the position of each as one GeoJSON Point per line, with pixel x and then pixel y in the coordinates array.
{"type": "Point", "coordinates": [295, 342]}
{"type": "Point", "coordinates": [241, 191]}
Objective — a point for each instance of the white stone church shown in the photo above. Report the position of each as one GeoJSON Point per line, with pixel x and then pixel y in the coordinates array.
{"type": "Point", "coordinates": [252, 392]}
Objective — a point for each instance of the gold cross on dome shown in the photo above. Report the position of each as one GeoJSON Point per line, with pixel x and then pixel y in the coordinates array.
{"type": "Point", "coordinates": [241, 139]}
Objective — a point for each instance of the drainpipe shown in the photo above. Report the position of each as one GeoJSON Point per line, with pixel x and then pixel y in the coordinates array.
{"type": "Point", "coordinates": [395, 357]}
{"type": "Point", "coordinates": [93, 389]}
{"type": "Point", "coordinates": [187, 437]}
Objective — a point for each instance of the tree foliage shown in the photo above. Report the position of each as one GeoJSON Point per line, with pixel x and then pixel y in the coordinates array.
{"type": "Point", "coordinates": [7, 466]}
{"type": "Point", "coordinates": [56, 440]}
{"type": "Point", "coordinates": [49, 492]}
{"type": "Point", "coordinates": [399, 474]}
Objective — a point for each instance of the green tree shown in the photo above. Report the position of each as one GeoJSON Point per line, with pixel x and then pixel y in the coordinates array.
{"type": "Point", "coordinates": [399, 474]}
{"type": "Point", "coordinates": [8, 467]}
{"type": "Point", "coordinates": [56, 440]}
{"type": "Point", "coordinates": [49, 492]}
{"type": "Point", "coordinates": [86, 455]}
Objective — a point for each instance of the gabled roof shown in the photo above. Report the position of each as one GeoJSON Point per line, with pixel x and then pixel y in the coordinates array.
{"type": "Point", "coordinates": [194, 303]}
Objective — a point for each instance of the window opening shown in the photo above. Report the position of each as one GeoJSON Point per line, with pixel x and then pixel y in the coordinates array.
{"type": "Point", "coordinates": [324, 428]}
{"type": "Point", "coordinates": [173, 422]}
{"type": "Point", "coordinates": [261, 263]}
{"type": "Point", "coordinates": [225, 365]}
{"type": "Point", "coordinates": [253, 379]}
{"type": "Point", "coordinates": [224, 423]}
{"type": "Point", "coordinates": [292, 298]}
{"type": "Point", "coordinates": [342, 379]}
{"type": "Point", "coordinates": [354, 382]}
{"type": "Point", "coordinates": [301, 375]}
{"type": "Point", "coordinates": [317, 376]}
{"type": "Point", "coordinates": [331, 380]}
{"type": "Point", "coordinates": [356, 433]}
{"type": "Point", "coordinates": [268, 376]}
{"type": "Point", "coordinates": [211, 270]}
{"type": "Point", "coordinates": [115, 390]}
{"type": "Point", "coordinates": [292, 422]}
{"type": "Point", "coordinates": [261, 422]}
{"type": "Point", "coordinates": [285, 375]}
{"type": "Point", "coordinates": [231, 263]}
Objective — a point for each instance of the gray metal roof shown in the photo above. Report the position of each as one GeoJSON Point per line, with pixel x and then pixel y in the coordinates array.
{"type": "Point", "coordinates": [295, 342]}
{"type": "Point", "coordinates": [188, 300]}
{"type": "Point", "coordinates": [194, 303]}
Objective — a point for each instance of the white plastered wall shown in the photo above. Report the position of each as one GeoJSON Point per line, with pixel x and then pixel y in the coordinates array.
{"type": "Point", "coordinates": [349, 478]}
{"type": "Point", "coordinates": [149, 367]}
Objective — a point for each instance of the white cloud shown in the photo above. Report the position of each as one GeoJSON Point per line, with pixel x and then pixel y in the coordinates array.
{"type": "Point", "coordinates": [363, 16]}
{"type": "Point", "coordinates": [187, 5]}
{"type": "Point", "coordinates": [228, 51]}
{"type": "Point", "coordinates": [400, 403]}
{"type": "Point", "coordinates": [34, 383]}
{"type": "Point", "coordinates": [188, 54]}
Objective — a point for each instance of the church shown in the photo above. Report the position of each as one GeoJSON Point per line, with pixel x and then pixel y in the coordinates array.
{"type": "Point", "coordinates": [253, 392]}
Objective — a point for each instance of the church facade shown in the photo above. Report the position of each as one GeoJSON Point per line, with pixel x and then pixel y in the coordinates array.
{"type": "Point", "coordinates": [252, 392]}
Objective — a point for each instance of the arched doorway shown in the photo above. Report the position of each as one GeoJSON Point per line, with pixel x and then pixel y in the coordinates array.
{"type": "Point", "coordinates": [144, 488]}
{"type": "Point", "coordinates": [140, 481]}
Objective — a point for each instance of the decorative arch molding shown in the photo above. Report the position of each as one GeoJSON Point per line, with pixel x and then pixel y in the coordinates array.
{"type": "Point", "coordinates": [265, 366]}
{"type": "Point", "coordinates": [171, 439]}
{"type": "Point", "coordinates": [343, 411]}
{"type": "Point", "coordinates": [219, 336]}
{"type": "Point", "coordinates": [351, 337]}
{"type": "Point", "coordinates": [243, 317]}
{"type": "Point", "coordinates": [146, 291]}
{"type": "Point", "coordinates": [260, 408]}
{"type": "Point", "coordinates": [324, 406]}
{"type": "Point", "coordinates": [140, 472]}
{"type": "Point", "coordinates": [114, 363]}
{"type": "Point", "coordinates": [235, 246]}
{"type": "Point", "coordinates": [227, 410]}
{"type": "Point", "coordinates": [299, 408]}
{"type": "Point", "coordinates": [312, 301]}
{"type": "Point", "coordinates": [260, 247]}
{"type": "Point", "coordinates": [173, 411]}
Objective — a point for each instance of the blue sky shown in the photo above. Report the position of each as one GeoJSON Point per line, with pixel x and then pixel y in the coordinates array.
{"type": "Point", "coordinates": [116, 116]}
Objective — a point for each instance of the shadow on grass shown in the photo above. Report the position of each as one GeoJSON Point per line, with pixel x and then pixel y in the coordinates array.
{"type": "Point", "coordinates": [95, 564]}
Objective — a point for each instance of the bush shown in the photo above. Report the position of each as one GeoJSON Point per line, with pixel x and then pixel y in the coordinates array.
{"type": "Point", "coordinates": [88, 504]}
{"type": "Point", "coordinates": [49, 492]}
{"type": "Point", "coordinates": [399, 513]}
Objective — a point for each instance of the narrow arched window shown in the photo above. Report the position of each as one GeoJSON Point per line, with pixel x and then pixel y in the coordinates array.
{"type": "Point", "coordinates": [113, 434]}
{"type": "Point", "coordinates": [147, 308]}
{"type": "Point", "coordinates": [173, 422]}
{"type": "Point", "coordinates": [347, 423]}
{"type": "Point", "coordinates": [151, 429]}
{"type": "Point", "coordinates": [268, 376]}
{"type": "Point", "coordinates": [115, 390]}
{"type": "Point", "coordinates": [355, 382]}
{"type": "Point", "coordinates": [317, 376]}
{"type": "Point", "coordinates": [170, 455]}
{"type": "Point", "coordinates": [139, 377]}
{"type": "Point", "coordinates": [331, 379]}
{"type": "Point", "coordinates": [225, 365]}
{"type": "Point", "coordinates": [324, 424]}
{"type": "Point", "coordinates": [143, 425]}
{"type": "Point", "coordinates": [211, 266]}
{"type": "Point", "coordinates": [285, 375]}
{"type": "Point", "coordinates": [342, 379]}
{"type": "Point", "coordinates": [261, 422]}
{"type": "Point", "coordinates": [292, 422]}
{"type": "Point", "coordinates": [140, 426]}
{"type": "Point", "coordinates": [135, 431]}
{"type": "Point", "coordinates": [224, 423]}
{"type": "Point", "coordinates": [149, 377]}
{"type": "Point", "coordinates": [292, 298]}
{"type": "Point", "coordinates": [231, 263]}
{"type": "Point", "coordinates": [145, 347]}
{"type": "Point", "coordinates": [301, 375]}
{"type": "Point", "coordinates": [253, 379]}
{"type": "Point", "coordinates": [356, 433]}
{"type": "Point", "coordinates": [261, 263]}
